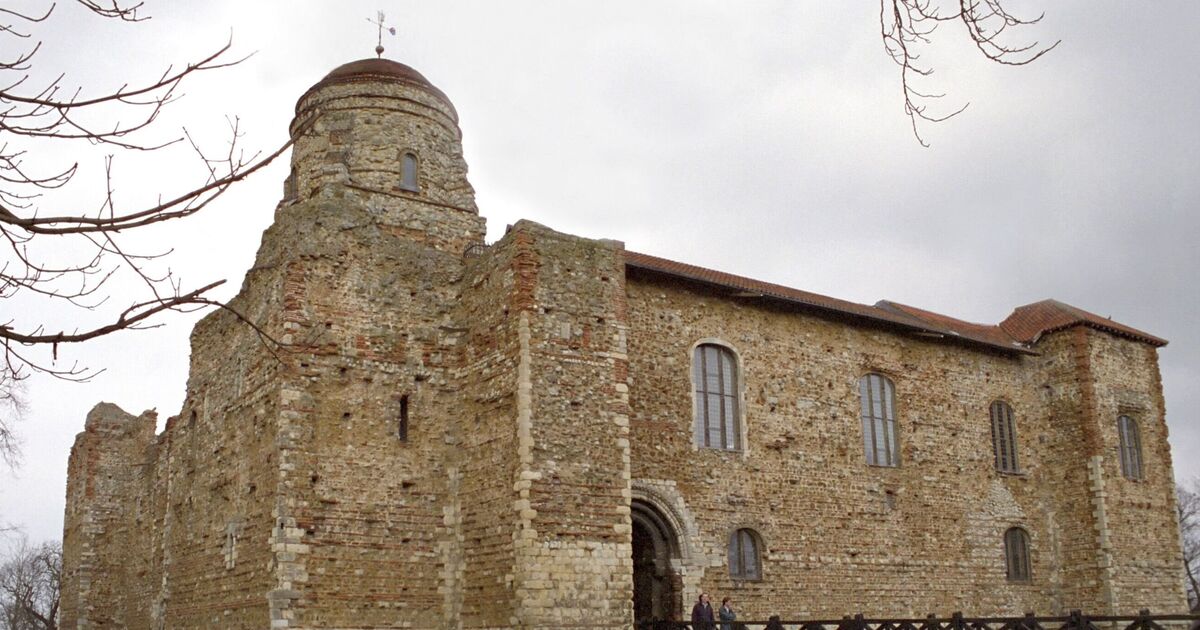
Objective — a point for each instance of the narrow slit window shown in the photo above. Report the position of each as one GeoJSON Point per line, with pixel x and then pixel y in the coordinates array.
{"type": "Point", "coordinates": [714, 372]}
{"type": "Point", "coordinates": [408, 172]}
{"type": "Point", "coordinates": [1130, 447]}
{"type": "Point", "coordinates": [402, 425]}
{"type": "Point", "coordinates": [1004, 437]}
{"type": "Point", "coordinates": [1016, 554]}
{"type": "Point", "coordinates": [877, 402]}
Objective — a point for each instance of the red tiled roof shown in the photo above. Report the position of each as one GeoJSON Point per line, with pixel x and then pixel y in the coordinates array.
{"type": "Point", "coordinates": [990, 332]}
{"type": "Point", "coordinates": [890, 315]}
{"type": "Point", "coordinates": [1028, 323]}
{"type": "Point", "coordinates": [1015, 334]}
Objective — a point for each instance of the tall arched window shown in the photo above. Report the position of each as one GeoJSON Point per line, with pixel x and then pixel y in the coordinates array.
{"type": "Point", "coordinates": [1016, 554]}
{"type": "Point", "coordinates": [745, 563]}
{"type": "Point", "coordinates": [714, 372]}
{"type": "Point", "coordinates": [1004, 437]}
{"type": "Point", "coordinates": [878, 401]}
{"type": "Point", "coordinates": [408, 172]}
{"type": "Point", "coordinates": [1131, 447]}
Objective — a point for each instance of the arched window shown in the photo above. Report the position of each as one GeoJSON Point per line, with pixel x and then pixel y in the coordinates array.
{"type": "Point", "coordinates": [714, 372]}
{"type": "Point", "coordinates": [1016, 554]}
{"type": "Point", "coordinates": [878, 401]}
{"type": "Point", "coordinates": [408, 172]}
{"type": "Point", "coordinates": [1004, 437]}
{"type": "Point", "coordinates": [745, 563]}
{"type": "Point", "coordinates": [1131, 447]}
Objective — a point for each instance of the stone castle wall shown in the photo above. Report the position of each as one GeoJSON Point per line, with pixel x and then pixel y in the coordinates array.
{"type": "Point", "coordinates": [1138, 533]}
{"type": "Point", "coordinates": [573, 552]}
{"type": "Point", "coordinates": [453, 436]}
{"type": "Point", "coordinates": [927, 536]}
{"type": "Point", "coordinates": [187, 513]}
{"type": "Point", "coordinates": [107, 470]}
{"type": "Point", "coordinates": [482, 446]}
{"type": "Point", "coordinates": [545, 391]}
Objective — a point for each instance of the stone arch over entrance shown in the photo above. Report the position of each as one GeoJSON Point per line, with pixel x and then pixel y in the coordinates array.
{"type": "Point", "coordinates": [657, 554]}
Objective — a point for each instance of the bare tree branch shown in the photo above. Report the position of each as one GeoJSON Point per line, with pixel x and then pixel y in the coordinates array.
{"type": "Point", "coordinates": [12, 408]}
{"type": "Point", "coordinates": [908, 25]}
{"type": "Point", "coordinates": [1188, 506]}
{"type": "Point", "coordinates": [86, 253]}
{"type": "Point", "coordinates": [30, 581]}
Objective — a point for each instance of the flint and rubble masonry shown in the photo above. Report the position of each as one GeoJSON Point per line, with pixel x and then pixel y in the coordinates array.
{"type": "Point", "coordinates": [455, 436]}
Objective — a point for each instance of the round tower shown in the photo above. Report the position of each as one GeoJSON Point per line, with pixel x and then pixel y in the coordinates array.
{"type": "Point", "coordinates": [379, 126]}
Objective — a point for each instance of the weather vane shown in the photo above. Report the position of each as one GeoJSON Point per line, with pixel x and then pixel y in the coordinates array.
{"type": "Point", "coordinates": [378, 21]}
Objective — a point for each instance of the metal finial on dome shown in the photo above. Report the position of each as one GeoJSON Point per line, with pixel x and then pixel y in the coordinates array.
{"type": "Point", "coordinates": [379, 40]}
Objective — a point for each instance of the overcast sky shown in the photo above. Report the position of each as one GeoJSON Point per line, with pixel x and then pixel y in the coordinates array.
{"type": "Point", "coordinates": [762, 138]}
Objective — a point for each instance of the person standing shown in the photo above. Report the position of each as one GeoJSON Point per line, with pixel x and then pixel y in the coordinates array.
{"type": "Point", "coordinates": [702, 614]}
{"type": "Point", "coordinates": [726, 614]}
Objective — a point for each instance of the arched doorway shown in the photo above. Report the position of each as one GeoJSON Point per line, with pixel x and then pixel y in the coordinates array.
{"type": "Point", "coordinates": [657, 587]}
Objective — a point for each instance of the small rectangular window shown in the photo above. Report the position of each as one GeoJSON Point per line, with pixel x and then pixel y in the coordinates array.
{"type": "Point", "coordinates": [1004, 437]}
{"type": "Point", "coordinates": [1130, 448]}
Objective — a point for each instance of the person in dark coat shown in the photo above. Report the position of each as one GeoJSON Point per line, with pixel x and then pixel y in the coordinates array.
{"type": "Point", "coordinates": [725, 612]}
{"type": "Point", "coordinates": [773, 623]}
{"type": "Point", "coordinates": [702, 614]}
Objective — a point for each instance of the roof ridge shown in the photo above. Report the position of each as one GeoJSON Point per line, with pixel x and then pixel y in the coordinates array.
{"type": "Point", "coordinates": [1024, 326]}
{"type": "Point", "coordinates": [976, 334]}
{"type": "Point", "coordinates": [909, 307]}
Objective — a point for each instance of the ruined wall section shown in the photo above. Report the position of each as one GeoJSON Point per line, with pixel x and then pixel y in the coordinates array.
{"type": "Point", "coordinates": [481, 446]}
{"type": "Point", "coordinates": [194, 525]}
{"type": "Point", "coordinates": [574, 559]}
{"type": "Point", "coordinates": [218, 464]}
{"type": "Point", "coordinates": [142, 540]}
{"type": "Point", "coordinates": [104, 569]}
{"type": "Point", "coordinates": [838, 534]}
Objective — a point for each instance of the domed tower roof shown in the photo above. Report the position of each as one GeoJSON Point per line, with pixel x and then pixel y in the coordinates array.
{"type": "Point", "coordinates": [381, 128]}
{"type": "Point", "coordinates": [373, 70]}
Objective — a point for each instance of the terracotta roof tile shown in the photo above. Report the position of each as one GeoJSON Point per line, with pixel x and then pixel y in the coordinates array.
{"type": "Point", "coordinates": [1016, 334]}
{"type": "Point", "coordinates": [1028, 323]}
{"type": "Point", "coordinates": [890, 315]}
{"type": "Point", "coordinates": [989, 332]}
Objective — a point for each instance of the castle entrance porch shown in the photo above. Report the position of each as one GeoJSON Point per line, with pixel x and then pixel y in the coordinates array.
{"type": "Point", "coordinates": [657, 586]}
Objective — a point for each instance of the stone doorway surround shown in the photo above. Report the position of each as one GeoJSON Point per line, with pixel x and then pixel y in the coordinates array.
{"type": "Point", "coordinates": [662, 534]}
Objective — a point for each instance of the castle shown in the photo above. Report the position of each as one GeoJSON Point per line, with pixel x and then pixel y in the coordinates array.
{"type": "Point", "coordinates": [552, 431]}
